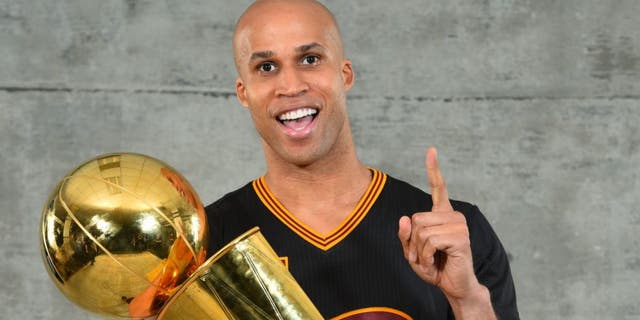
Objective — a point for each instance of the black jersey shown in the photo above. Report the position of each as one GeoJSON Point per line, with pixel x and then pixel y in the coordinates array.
{"type": "Point", "coordinates": [358, 271]}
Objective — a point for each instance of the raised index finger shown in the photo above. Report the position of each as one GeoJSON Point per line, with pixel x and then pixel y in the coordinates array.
{"type": "Point", "coordinates": [439, 193]}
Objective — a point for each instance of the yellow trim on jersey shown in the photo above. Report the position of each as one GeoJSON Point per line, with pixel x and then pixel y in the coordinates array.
{"type": "Point", "coordinates": [373, 309]}
{"type": "Point", "coordinates": [323, 242]}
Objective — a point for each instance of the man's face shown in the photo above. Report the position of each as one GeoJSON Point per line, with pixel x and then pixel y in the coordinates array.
{"type": "Point", "coordinates": [293, 79]}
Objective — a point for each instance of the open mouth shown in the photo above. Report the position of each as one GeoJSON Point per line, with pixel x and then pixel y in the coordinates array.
{"type": "Point", "coordinates": [298, 119]}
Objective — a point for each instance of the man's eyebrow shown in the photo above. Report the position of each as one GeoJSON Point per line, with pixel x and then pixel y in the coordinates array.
{"type": "Point", "coordinates": [261, 55]}
{"type": "Point", "coordinates": [307, 47]}
{"type": "Point", "coordinates": [268, 53]}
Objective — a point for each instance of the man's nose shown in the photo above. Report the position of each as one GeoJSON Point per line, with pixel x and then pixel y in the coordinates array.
{"type": "Point", "coordinates": [292, 83]}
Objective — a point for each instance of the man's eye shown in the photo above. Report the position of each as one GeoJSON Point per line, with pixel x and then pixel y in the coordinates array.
{"type": "Point", "coordinates": [311, 59]}
{"type": "Point", "coordinates": [267, 67]}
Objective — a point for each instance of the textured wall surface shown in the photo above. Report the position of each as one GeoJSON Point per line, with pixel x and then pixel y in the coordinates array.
{"type": "Point", "coordinates": [534, 105]}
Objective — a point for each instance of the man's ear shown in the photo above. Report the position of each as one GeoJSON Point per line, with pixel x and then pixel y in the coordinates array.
{"type": "Point", "coordinates": [348, 76]}
{"type": "Point", "coordinates": [241, 92]}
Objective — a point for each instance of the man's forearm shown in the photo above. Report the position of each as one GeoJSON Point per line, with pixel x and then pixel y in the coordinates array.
{"type": "Point", "coordinates": [476, 306]}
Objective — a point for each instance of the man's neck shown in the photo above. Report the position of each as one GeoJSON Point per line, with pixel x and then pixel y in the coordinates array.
{"type": "Point", "coordinates": [322, 194]}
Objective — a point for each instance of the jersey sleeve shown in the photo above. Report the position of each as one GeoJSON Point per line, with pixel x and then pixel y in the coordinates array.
{"type": "Point", "coordinates": [491, 264]}
{"type": "Point", "coordinates": [216, 226]}
{"type": "Point", "coordinates": [229, 217]}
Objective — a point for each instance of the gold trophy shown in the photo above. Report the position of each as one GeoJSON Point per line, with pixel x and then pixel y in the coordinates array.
{"type": "Point", "coordinates": [124, 236]}
{"type": "Point", "coordinates": [244, 280]}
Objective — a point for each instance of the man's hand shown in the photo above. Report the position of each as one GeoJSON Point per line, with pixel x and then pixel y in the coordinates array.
{"type": "Point", "coordinates": [436, 245]}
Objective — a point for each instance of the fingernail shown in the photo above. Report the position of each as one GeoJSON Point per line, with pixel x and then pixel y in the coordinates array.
{"type": "Point", "coordinates": [412, 256]}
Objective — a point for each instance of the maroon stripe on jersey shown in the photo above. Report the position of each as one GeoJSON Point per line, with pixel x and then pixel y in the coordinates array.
{"type": "Point", "coordinates": [374, 313]}
{"type": "Point", "coordinates": [369, 197]}
{"type": "Point", "coordinates": [277, 209]}
{"type": "Point", "coordinates": [322, 242]}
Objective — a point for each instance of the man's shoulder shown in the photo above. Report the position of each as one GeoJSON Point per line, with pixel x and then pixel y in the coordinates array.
{"type": "Point", "coordinates": [231, 200]}
{"type": "Point", "coordinates": [405, 191]}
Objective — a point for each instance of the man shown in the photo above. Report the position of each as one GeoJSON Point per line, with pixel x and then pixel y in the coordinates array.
{"type": "Point", "coordinates": [343, 227]}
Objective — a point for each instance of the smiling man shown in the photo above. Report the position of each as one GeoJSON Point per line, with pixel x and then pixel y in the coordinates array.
{"type": "Point", "coordinates": [362, 244]}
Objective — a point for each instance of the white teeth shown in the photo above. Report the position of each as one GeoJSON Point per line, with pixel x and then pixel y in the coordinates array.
{"type": "Point", "coordinates": [297, 114]}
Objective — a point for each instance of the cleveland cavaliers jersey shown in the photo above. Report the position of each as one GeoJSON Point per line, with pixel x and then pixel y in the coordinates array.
{"type": "Point", "coordinates": [358, 271]}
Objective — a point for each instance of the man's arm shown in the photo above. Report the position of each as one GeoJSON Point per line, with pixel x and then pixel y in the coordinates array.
{"type": "Point", "coordinates": [436, 244]}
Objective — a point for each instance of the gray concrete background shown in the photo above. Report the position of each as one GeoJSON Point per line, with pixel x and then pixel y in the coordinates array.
{"type": "Point", "coordinates": [532, 103]}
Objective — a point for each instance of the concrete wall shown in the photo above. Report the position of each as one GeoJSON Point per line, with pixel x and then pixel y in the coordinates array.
{"type": "Point", "coordinates": [534, 105]}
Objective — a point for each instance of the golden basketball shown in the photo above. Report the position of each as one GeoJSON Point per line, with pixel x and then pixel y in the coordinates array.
{"type": "Point", "coordinates": [121, 233]}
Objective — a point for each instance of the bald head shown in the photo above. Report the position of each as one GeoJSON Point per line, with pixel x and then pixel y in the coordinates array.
{"type": "Point", "coordinates": [263, 16]}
